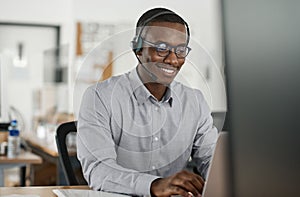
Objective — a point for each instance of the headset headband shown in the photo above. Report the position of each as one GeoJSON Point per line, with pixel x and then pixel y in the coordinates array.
{"type": "Point", "coordinates": [136, 43]}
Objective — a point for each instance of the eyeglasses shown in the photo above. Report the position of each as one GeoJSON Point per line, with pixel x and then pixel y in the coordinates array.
{"type": "Point", "coordinates": [163, 49]}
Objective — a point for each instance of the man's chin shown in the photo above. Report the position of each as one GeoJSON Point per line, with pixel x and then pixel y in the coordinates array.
{"type": "Point", "coordinates": [165, 81]}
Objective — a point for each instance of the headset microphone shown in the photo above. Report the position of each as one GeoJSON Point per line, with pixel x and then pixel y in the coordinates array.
{"type": "Point", "coordinates": [153, 76]}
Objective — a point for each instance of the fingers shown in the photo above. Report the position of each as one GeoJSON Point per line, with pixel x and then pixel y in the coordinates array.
{"type": "Point", "coordinates": [200, 179]}
{"type": "Point", "coordinates": [189, 182]}
{"type": "Point", "coordinates": [192, 195]}
{"type": "Point", "coordinates": [190, 189]}
{"type": "Point", "coordinates": [198, 182]}
{"type": "Point", "coordinates": [184, 183]}
{"type": "Point", "coordinates": [175, 190]}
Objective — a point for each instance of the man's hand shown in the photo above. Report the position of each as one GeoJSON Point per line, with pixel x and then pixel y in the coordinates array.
{"type": "Point", "coordinates": [183, 183]}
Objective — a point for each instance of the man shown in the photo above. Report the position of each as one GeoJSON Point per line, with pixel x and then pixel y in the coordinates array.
{"type": "Point", "coordinates": [137, 131]}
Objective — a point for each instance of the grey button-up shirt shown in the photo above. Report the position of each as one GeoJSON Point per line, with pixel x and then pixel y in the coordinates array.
{"type": "Point", "coordinates": [127, 138]}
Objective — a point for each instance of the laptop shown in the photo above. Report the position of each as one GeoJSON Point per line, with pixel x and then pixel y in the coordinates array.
{"type": "Point", "coordinates": [217, 183]}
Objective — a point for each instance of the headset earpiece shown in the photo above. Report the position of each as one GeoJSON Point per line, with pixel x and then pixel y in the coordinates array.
{"type": "Point", "coordinates": [137, 44]}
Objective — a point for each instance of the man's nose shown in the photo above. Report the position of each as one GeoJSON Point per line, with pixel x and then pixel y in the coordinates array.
{"type": "Point", "coordinates": [172, 58]}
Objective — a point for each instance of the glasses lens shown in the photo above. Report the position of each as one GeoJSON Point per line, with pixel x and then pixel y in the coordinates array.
{"type": "Point", "coordinates": [162, 49]}
{"type": "Point", "coordinates": [181, 51]}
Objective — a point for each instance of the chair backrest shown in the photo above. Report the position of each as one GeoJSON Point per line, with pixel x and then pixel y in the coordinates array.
{"type": "Point", "coordinates": [69, 162]}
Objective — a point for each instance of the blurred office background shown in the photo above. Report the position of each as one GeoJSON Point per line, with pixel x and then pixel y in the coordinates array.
{"type": "Point", "coordinates": [46, 62]}
{"type": "Point", "coordinates": [54, 37]}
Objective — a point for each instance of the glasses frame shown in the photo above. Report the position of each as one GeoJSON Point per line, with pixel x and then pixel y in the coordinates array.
{"type": "Point", "coordinates": [169, 47]}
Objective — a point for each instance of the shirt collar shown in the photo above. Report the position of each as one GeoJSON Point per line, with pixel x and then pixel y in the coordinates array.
{"type": "Point", "coordinates": [140, 91]}
{"type": "Point", "coordinates": [168, 96]}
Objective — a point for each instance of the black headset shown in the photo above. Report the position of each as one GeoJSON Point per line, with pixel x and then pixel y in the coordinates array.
{"type": "Point", "coordinates": [137, 42]}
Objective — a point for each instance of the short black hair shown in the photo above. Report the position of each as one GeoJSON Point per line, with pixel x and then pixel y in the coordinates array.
{"type": "Point", "coordinates": [158, 15]}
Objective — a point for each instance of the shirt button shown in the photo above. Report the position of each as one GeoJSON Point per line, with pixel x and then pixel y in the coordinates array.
{"type": "Point", "coordinates": [156, 139]}
{"type": "Point", "coordinates": [153, 167]}
{"type": "Point", "coordinates": [156, 108]}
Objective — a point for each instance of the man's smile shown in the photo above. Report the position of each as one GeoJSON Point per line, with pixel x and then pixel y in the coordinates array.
{"type": "Point", "coordinates": [169, 71]}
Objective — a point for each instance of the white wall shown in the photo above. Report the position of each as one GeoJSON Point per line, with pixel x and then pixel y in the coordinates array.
{"type": "Point", "coordinates": [55, 12]}
{"type": "Point", "coordinates": [203, 17]}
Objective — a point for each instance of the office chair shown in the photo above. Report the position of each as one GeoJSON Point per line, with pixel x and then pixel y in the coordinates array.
{"type": "Point", "coordinates": [69, 162]}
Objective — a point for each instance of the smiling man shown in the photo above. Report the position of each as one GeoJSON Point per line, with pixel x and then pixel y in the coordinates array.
{"type": "Point", "coordinates": [137, 131]}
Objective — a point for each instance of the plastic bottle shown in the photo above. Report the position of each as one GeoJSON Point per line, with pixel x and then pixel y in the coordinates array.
{"type": "Point", "coordinates": [13, 147]}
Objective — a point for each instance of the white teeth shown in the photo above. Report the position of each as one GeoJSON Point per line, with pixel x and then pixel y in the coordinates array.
{"type": "Point", "coordinates": [169, 71]}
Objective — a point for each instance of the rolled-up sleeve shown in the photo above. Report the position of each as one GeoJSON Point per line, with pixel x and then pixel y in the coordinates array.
{"type": "Point", "coordinates": [97, 154]}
